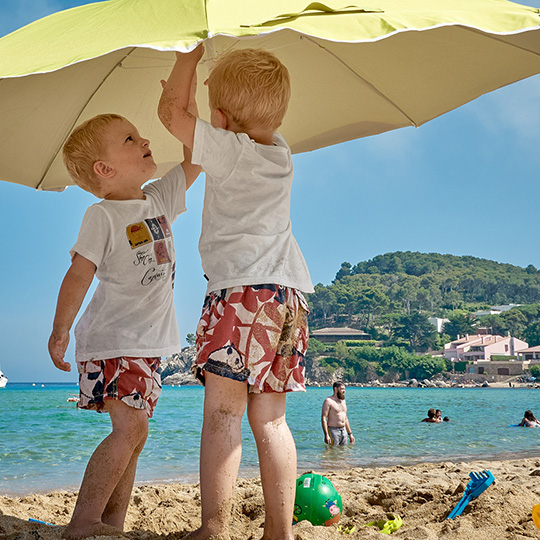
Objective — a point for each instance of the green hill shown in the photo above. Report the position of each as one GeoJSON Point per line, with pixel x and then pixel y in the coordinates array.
{"type": "Point", "coordinates": [384, 294]}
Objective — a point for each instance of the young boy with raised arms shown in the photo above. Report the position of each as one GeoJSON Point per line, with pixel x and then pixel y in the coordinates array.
{"type": "Point", "coordinates": [253, 333]}
{"type": "Point", "coordinates": [126, 242]}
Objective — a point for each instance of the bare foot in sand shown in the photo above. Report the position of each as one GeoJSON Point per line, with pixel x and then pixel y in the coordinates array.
{"type": "Point", "coordinates": [199, 534]}
{"type": "Point", "coordinates": [73, 532]}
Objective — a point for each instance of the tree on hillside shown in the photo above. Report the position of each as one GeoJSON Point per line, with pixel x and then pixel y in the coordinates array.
{"type": "Point", "coordinates": [531, 334]}
{"type": "Point", "coordinates": [323, 302]}
{"type": "Point", "coordinates": [426, 367]}
{"type": "Point", "coordinates": [535, 371]}
{"type": "Point", "coordinates": [341, 350]}
{"type": "Point", "coordinates": [515, 322]}
{"type": "Point", "coordinates": [452, 300]}
{"type": "Point", "coordinates": [512, 322]}
{"type": "Point", "coordinates": [494, 324]}
{"type": "Point", "coordinates": [371, 304]}
{"type": "Point", "coordinates": [417, 330]}
{"type": "Point", "coordinates": [459, 324]}
{"type": "Point", "coordinates": [315, 348]}
{"type": "Point", "coordinates": [345, 270]}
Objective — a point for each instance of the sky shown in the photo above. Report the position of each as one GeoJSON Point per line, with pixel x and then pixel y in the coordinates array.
{"type": "Point", "coordinates": [466, 183]}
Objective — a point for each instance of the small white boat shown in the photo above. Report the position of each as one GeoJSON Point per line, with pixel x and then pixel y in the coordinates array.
{"type": "Point", "coordinates": [3, 380]}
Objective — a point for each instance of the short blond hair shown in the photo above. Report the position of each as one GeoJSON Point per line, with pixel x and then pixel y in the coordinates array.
{"type": "Point", "coordinates": [251, 85]}
{"type": "Point", "coordinates": [83, 148]}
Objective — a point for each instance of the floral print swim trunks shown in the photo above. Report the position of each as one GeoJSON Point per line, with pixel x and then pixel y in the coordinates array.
{"type": "Point", "coordinates": [256, 334]}
{"type": "Point", "coordinates": [134, 381]}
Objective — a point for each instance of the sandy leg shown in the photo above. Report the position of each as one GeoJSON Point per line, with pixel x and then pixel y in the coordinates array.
{"type": "Point", "coordinates": [107, 482]}
{"type": "Point", "coordinates": [116, 509]}
{"type": "Point", "coordinates": [221, 449]}
{"type": "Point", "coordinates": [277, 460]}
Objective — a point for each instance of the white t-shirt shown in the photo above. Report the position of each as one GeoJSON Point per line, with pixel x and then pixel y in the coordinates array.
{"type": "Point", "coordinates": [246, 236]}
{"type": "Point", "coordinates": [130, 242]}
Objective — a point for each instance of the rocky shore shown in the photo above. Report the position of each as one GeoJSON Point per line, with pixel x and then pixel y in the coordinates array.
{"type": "Point", "coordinates": [176, 371]}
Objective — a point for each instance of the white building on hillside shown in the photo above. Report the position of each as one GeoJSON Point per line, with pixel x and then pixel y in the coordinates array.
{"type": "Point", "coordinates": [495, 310]}
{"type": "Point", "coordinates": [482, 347]}
{"type": "Point", "coordinates": [438, 323]}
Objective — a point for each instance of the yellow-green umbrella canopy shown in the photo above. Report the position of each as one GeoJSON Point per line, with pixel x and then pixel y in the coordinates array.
{"type": "Point", "coordinates": [356, 70]}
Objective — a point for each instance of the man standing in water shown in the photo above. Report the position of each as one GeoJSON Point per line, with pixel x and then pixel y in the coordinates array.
{"type": "Point", "coordinates": [335, 423]}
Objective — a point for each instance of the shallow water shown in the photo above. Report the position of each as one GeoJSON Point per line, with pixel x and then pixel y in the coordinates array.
{"type": "Point", "coordinates": [46, 441]}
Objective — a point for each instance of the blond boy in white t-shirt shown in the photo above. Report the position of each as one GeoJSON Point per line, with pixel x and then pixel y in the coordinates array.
{"type": "Point", "coordinates": [126, 242]}
{"type": "Point", "coordinates": [253, 332]}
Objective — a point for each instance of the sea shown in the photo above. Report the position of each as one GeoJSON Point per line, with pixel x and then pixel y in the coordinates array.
{"type": "Point", "coordinates": [45, 441]}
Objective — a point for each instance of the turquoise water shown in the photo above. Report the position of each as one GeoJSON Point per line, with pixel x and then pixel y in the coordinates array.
{"type": "Point", "coordinates": [46, 441]}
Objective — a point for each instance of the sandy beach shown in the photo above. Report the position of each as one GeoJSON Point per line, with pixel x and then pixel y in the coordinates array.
{"type": "Point", "coordinates": [422, 495]}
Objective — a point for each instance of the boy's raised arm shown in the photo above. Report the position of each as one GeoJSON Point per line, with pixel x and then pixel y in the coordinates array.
{"type": "Point", "coordinates": [175, 103]}
{"type": "Point", "coordinates": [190, 170]}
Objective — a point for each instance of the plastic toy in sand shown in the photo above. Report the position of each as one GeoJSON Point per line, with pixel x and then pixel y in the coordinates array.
{"type": "Point", "coordinates": [317, 500]}
{"type": "Point", "coordinates": [387, 526]}
{"type": "Point", "coordinates": [39, 521]}
{"type": "Point", "coordinates": [536, 515]}
{"type": "Point", "coordinates": [478, 484]}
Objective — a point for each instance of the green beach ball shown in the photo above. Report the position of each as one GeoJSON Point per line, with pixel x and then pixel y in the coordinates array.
{"type": "Point", "coordinates": [317, 500]}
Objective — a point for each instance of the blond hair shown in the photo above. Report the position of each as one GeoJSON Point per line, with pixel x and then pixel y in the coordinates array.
{"type": "Point", "coordinates": [83, 148]}
{"type": "Point", "coordinates": [251, 85]}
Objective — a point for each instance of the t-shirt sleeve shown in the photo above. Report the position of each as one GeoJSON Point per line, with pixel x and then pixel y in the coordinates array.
{"type": "Point", "coordinates": [215, 150]}
{"type": "Point", "coordinates": [171, 188]}
{"type": "Point", "coordinates": [94, 236]}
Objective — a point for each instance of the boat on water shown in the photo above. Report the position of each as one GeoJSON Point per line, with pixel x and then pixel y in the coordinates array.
{"type": "Point", "coordinates": [3, 380]}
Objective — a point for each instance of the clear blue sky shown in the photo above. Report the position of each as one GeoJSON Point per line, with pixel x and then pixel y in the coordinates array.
{"type": "Point", "coordinates": [465, 184]}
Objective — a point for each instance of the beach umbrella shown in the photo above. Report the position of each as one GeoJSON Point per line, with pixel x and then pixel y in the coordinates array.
{"type": "Point", "coordinates": [356, 69]}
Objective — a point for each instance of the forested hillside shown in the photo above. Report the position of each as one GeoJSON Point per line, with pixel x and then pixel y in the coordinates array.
{"type": "Point", "coordinates": [392, 295]}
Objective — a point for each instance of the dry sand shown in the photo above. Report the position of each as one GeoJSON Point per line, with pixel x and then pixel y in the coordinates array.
{"type": "Point", "coordinates": [422, 495]}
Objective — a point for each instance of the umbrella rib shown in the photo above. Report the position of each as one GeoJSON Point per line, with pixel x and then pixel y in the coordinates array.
{"type": "Point", "coordinates": [76, 121]}
{"type": "Point", "coordinates": [365, 81]}
{"type": "Point", "coordinates": [498, 38]}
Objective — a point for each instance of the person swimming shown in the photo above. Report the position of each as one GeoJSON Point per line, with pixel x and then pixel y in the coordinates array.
{"type": "Point", "coordinates": [432, 417]}
{"type": "Point", "coordinates": [529, 420]}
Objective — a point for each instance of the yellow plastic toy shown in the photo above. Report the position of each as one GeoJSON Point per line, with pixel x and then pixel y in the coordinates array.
{"type": "Point", "coordinates": [389, 526]}
{"type": "Point", "coordinates": [536, 515]}
{"type": "Point", "coordinates": [346, 529]}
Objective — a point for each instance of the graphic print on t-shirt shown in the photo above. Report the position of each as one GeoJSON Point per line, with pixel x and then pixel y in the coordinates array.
{"type": "Point", "coordinates": [151, 230]}
{"type": "Point", "coordinates": [155, 228]}
{"type": "Point", "coordinates": [138, 234]}
{"type": "Point", "coordinates": [162, 255]}
{"type": "Point", "coordinates": [143, 232]}
{"type": "Point", "coordinates": [164, 226]}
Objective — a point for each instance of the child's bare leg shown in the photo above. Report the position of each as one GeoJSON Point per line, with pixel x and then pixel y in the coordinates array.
{"type": "Point", "coordinates": [116, 509]}
{"type": "Point", "coordinates": [277, 460]}
{"type": "Point", "coordinates": [221, 449]}
{"type": "Point", "coordinates": [106, 470]}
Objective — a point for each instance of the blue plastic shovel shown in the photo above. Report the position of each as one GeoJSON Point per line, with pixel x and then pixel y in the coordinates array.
{"type": "Point", "coordinates": [478, 484]}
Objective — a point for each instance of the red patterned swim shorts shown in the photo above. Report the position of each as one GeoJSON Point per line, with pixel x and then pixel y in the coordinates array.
{"type": "Point", "coordinates": [134, 381]}
{"type": "Point", "coordinates": [256, 334]}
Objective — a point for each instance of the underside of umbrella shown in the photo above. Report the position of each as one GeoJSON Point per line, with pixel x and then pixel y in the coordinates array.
{"type": "Point", "coordinates": [355, 71]}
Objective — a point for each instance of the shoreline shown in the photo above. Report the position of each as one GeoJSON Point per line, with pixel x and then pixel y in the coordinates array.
{"type": "Point", "coordinates": [252, 473]}
{"type": "Point", "coordinates": [313, 384]}
{"type": "Point", "coordinates": [422, 495]}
